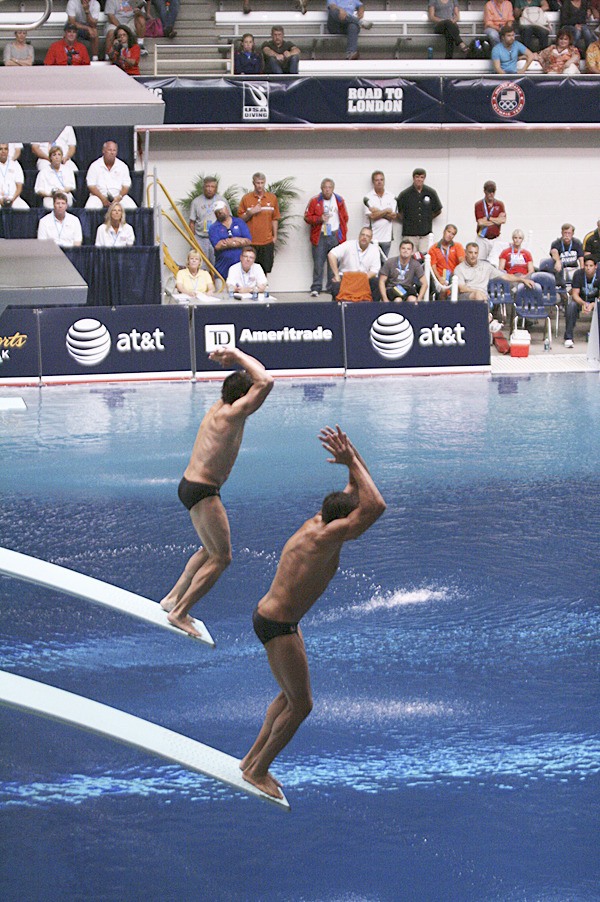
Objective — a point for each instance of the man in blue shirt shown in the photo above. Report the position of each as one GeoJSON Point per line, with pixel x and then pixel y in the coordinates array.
{"type": "Point", "coordinates": [347, 17]}
{"type": "Point", "coordinates": [506, 54]}
{"type": "Point", "coordinates": [228, 235]}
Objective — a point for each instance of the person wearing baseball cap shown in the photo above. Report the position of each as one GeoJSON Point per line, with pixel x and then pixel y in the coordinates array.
{"type": "Point", "coordinates": [68, 52]}
{"type": "Point", "coordinates": [228, 235]}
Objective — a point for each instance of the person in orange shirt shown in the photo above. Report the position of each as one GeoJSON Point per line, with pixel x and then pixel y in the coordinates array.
{"type": "Point", "coordinates": [445, 257]}
{"type": "Point", "coordinates": [260, 209]}
{"type": "Point", "coordinates": [497, 13]}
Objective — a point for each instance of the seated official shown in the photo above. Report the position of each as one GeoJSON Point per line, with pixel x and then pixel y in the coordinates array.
{"type": "Point", "coordinates": [516, 259]}
{"type": "Point", "coordinates": [584, 295]}
{"type": "Point", "coordinates": [567, 253]}
{"type": "Point", "coordinates": [108, 179]}
{"type": "Point", "coordinates": [53, 178]}
{"type": "Point", "coordinates": [354, 256]}
{"type": "Point", "coordinates": [66, 140]}
{"type": "Point", "coordinates": [114, 231]}
{"type": "Point", "coordinates": [247, 275]}
{"type": "Point", "coordinates": [402, 278]}
{"type": "Point", "coordinates": [194, 281]}
{"type": "Point", "coordinates": [445, 257]}
{"type": "Point", "coordinates": [59, 226]}
{"type": "Point", "coordinates": [474, 276]}
{"type": "Point", "coordinates": [11, 181]}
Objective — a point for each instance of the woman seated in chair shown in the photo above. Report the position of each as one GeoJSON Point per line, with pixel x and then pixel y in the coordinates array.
{"type": "Point", "coordinates": [561, 58]}
{"type": "Point", "coordinates": [125, 51]}
{"type": "Point", "coordinates": [193, 281]}
{"type": "Point", "coordinates": [55, 177]}
{"type": "Point", "coordinates": [115, 232]}
{"type": "Point", "coordinates": [247, 60]}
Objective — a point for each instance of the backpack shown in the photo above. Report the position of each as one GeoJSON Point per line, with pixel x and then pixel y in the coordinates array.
{"type": "Point", "coordinates": [479, 49]}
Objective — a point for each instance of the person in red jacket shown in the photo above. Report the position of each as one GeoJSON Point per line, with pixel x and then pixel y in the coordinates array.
{"type": "Point", "coordinates": [327, 217]}
{"type": "Point", "coordinates": [68, 52]}
{"type": "Point", "coordinates": [125, 51]}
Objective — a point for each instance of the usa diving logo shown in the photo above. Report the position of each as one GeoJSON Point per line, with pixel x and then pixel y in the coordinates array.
{"type": "Point", "coordinates": [256, 101]}
{"type": "Point", "coordinates": [392, 336]}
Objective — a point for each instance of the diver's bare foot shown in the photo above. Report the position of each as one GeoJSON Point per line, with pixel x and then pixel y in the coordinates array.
{"type": "Point", "coordinates": [185, 624]}
{"type": "Point", "coordinates": [266, 784]}
{"type": "Point", "coordinates": [167, 604]}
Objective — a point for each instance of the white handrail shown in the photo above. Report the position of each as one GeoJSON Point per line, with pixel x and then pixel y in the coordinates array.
{"type": "Point", "coordinates": [36, 24]}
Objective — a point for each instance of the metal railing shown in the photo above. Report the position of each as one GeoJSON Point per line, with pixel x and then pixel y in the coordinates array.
{"type": "Point", "coordinates": [14, 26]}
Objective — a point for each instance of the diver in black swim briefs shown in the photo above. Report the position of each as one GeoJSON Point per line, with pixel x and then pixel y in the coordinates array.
{"type": "Point", "coordinates": [213, 456]}
{"type": "Point", "coordinates": [190, 493]}
{"type": "Point", "coordinates": [267, 629]}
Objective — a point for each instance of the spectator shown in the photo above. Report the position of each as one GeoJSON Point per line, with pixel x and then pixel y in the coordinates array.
{"type": "Point", "coordinates": [68, 52]}
{"type": "Point", "coordinates": [567, 254]}
{"type": "Point", "coordinates": [507, 54]}
{"type": "Point", "coordinates": [193, 281]}
{"type": "Point", "coordinates": [402, 278]}
{"type": "Point", "coordinates": [379, 211]}
{"type": "Point", "coordinates": [533, 23]}
{"type": "Point", "coordinates": [584, 294]}
{"type": "Point", "coordinates": [247, 60]}
{"type": "Point", "coordinates": [115, 231]}
{"type": "Point", "coordinates": [347, 17]}
{"type": "Point", "coordinates": [561, 58]}
{"type": "Point", "coordinates": [108, 179]}
{"type": "Point", "coordinates": [53, 178]}
{"type": "Point", "coordinates": [18, 52]}
{"type": "Point", "coordinates": [574, 15]}
{"type": "Point", "coordinates": [281, 56]}
{"type": "Point", "coordinates": [592, 58]}
{"type": "Point", "coordinates": [356, 257]}
{"type": "Point", "coordinates": [67, 142]}
{"type": "Point", "coordinates": [417, 207]}
{"type": "Point", "coordinates": [515, 259]}
{"type": "Point", "coordinates": [59, 226]}
{"type": "Point", "coordinates": [445, 257]}
{"type": "Point", "coordinates": [132, 14]}
{"type": "Point", "coordinates": [496, 14]}
{"type": "Point", "coordinates": [247, 275]}
{"type": "Point", "coordinates": [260, 209]}
{"type": "Point", "coordinates": [167, 10]}
{"type": "Point", "coordinates": [228, 235]}
{"type": "Point", "coordinates": [84, 14]}
{"type": "Point", "coordinates": [11, 181]}
{"type": "Point", "coordinates": [125, 51]}
{"type": "Point", "coordinates": [474, 275]}
{"type": "Point", "coordinates": [202, 215]}
{"type": "Point", "coordinates": [445, 15]}
{"type": "Point", "coordinates": [591, 245]}
{"type": "Point", "coordinates": [327, 217]}
{"type": "Point", "coordinates": [491, 216]}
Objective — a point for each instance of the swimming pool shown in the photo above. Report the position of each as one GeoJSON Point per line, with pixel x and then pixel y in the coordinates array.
{"type": "Point", "coordinates": [453, 750]}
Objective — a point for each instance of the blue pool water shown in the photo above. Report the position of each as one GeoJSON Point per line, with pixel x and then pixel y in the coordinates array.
{"type": "Point", "coordinates": [453, 752]}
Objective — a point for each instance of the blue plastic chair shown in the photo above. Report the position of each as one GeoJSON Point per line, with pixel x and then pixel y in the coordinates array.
{"type": "Point", "coordinates": [530, 304]}
{"type": "Point", "coordinates": [550, 292]}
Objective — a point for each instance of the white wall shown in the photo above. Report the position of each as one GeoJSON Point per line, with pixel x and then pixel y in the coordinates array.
{"type": "Point", "coordinates": [544, 178]}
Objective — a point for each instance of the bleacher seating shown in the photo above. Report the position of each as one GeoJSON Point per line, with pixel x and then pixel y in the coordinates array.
{"type": "Point", "coordinates": [24, 223]}
{"type": "Point", "coordinates": [81, 193]}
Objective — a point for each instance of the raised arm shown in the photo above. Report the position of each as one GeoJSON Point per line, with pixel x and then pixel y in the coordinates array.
{"type": "Point", "coordinates": [370, 503]}
{"type": "Point", "coordinates": [262, 381]}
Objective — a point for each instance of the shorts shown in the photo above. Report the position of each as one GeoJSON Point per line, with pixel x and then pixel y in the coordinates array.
{"type": "Point", "coordinates": [268, 629]}
{"type": "Point", "coordinates": [190, 493]}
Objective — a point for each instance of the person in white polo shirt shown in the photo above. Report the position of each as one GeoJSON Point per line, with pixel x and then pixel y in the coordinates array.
{"type": "Point", "coordinates": [59, 226]}
{"type": "Point", "coordinates": [108, 179]}
{"type": "Point", "coordinates": [11, 181]}
{"type": "Point", "coordinates": [53, 178]}
{"type": "Point", "coordinates": [115, 231]}
{"type": "Point", "coordinates": [247, 275]}
{"type": "Point", "coordinates": [356, 256]}
{"type": "Point", "coordinates": [380, 206]}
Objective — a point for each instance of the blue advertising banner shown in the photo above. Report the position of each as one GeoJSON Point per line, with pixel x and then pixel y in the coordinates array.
{"type": "Point", "coordinates": [346, 101]}
{"type": "Point", "coordinates": [19, 344]}
{"type": "Point", "coordinates": [93, 341]}
{"type": "Point", "coordinates": [407, 336]}
{"type": "Point", "coordinates": [204, 101]}
{"type": "Point", "coordinates": [283, 336]}
{"type": "Point", "coordinates": [542, 99]}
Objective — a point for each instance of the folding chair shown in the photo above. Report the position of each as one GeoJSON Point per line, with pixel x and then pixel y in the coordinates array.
{"type": "Point", "coordinates": [550, 293]}
{"type": "Point", "coordinates": [530, 304]}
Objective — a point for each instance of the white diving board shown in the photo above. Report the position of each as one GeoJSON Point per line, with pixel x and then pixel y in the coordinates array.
{"type": "Point", "coordinates": [42, 573]}
{"type": "Point", "coordinates": [75, 710]}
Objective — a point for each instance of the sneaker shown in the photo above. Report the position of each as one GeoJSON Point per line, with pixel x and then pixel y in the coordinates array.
{"type": "Point", "coordinates": [314, 294]}
{"type": "Point", "coordinates": [366, 24]}
{"type": "Point", "coordinates": [569, 343]}
{"type": "Point", "coordinates": [301, 6]}
{"type": "Point", "coordinates": [143, 51]}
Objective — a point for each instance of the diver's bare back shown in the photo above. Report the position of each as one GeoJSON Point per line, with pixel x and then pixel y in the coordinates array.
{"type": "Point", "coordinates": [217, 445]}
{"type": "Point", "coordinates": [307, 565]}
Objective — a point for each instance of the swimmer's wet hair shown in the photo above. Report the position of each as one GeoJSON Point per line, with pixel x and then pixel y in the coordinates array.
{"type": "Point", "coordinates": [336, 506]}
{"type": "Point", "coordinates": [235, 386]}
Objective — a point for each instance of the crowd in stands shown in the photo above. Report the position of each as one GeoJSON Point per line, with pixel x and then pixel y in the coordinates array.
{"type": "Point", "coordinates": [364, 268]}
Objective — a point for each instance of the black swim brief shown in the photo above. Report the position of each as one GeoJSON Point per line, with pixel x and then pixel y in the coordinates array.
{"type": "Point", "coordinates": [190, 493]}
{"type": "Point", "coordinates": [267, 629]}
